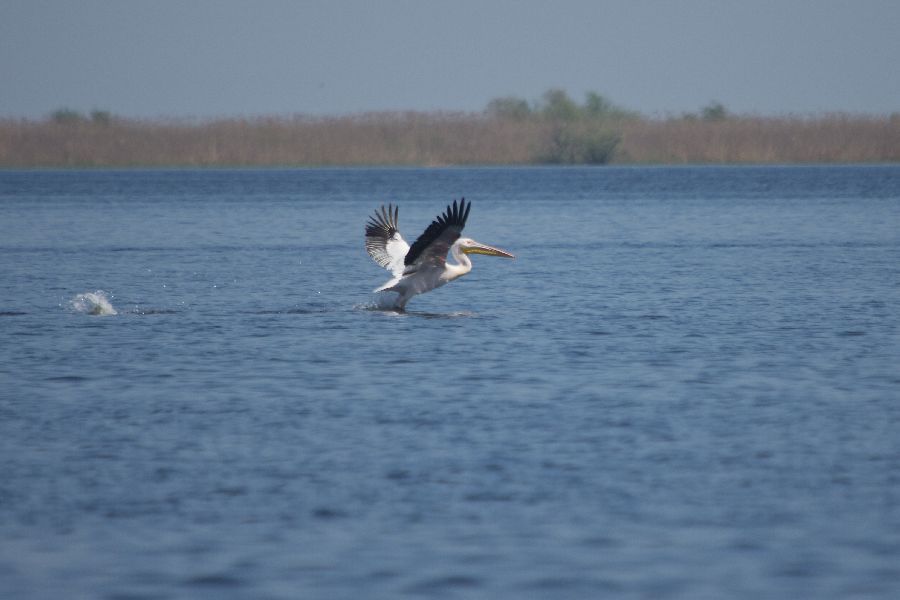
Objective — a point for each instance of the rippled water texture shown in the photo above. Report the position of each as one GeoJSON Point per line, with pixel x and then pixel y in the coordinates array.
{"type": "Point", "coordinates": [686, 385]}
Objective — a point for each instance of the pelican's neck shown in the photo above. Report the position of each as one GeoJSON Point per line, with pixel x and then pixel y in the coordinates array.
{"type": "Point", "coordinates": [463, 263]}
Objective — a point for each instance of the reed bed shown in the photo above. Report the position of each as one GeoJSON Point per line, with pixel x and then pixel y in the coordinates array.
{"type": "Point", "coordinates": [763, 140]}
{"type": "Point", "coordinates": [440, 138]}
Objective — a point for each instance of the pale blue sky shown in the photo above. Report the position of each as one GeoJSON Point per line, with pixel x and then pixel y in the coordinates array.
{"type": "Point", "coordinates": [224, 58]}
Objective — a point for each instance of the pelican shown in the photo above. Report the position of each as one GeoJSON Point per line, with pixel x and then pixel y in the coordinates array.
{"type": "Point", "coordinates": [423, 266]}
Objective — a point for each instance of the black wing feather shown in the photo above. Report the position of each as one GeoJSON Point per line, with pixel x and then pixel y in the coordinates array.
{"type": "Point", "coordinates": [379, 231]}
{"type": "Point", "coordinates": [442, 232]}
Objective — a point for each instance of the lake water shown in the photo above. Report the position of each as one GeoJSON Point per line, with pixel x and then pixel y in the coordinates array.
{"type": "Point", "coordinates": [687, 385]}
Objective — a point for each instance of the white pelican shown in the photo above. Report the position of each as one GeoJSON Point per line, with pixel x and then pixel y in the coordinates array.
{"type": "Point", "coordinates": [423, 266]}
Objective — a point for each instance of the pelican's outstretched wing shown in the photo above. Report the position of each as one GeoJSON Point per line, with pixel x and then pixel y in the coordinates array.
{"type": "Point", "coordinates": [383, 240]}
{"type": "Point", "coordinates": [432, 246]}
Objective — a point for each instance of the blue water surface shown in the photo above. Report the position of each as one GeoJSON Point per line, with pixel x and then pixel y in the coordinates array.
{"type": "Point", "coordinates": [687, 385]}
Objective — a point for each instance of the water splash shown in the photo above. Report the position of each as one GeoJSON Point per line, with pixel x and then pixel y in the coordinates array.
{"type": "Point", "coordinates": [93, 303]}
{"type": "Point", "coordinates": [384, 302]}
{"type": "Point", "coordinates": [375, 307]}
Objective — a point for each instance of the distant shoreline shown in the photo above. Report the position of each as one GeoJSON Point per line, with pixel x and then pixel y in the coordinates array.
{"type": "Point", "coordinates": [417, 139]}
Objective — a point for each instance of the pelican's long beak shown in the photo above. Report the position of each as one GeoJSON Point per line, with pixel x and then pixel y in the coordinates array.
{"type": "Point", "coordinates": [480, 248]}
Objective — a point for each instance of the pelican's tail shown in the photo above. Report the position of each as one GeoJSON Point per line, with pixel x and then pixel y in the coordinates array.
{"type": "Point", "coordinates": [387, 287]}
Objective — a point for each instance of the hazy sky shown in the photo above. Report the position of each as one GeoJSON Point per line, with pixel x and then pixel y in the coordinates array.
{"type": "Point", "coordinates": [225, 57]}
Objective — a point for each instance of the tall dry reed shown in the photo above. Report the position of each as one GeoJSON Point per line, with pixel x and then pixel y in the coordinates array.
{"type": "Point", "coordinates": [414, 138]}
{"type": "Point", "coordinates": [825, 139]}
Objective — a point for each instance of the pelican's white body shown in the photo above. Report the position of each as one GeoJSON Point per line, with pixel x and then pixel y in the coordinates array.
{"type": "Point", "coordinates": [418, 279]}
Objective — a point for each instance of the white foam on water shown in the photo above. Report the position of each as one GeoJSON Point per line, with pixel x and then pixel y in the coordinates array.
{"type": "Point", "coordinates": [93, 303]}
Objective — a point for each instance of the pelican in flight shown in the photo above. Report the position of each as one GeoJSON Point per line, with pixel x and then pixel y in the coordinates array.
{"type": "Point", "coordinates": [423, 266]}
